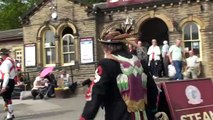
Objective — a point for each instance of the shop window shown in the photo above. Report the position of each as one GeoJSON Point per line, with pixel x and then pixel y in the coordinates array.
{"type": "Point", "coordinates": [49, 48]}
{"type": "Point", "coordinates": [191, 37]}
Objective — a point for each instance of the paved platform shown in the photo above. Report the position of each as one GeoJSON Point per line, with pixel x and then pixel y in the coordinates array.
{"type": "Point", "coordinates": [50, 109]}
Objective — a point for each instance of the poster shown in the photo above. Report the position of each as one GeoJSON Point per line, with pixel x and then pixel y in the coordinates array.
{"type": "Point", "coordinates": [30, 55]}
{"type": "Point", "coordinates": [86, 45]}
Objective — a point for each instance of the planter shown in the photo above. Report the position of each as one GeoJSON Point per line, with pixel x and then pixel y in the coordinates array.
{"type": "Point", "coordinates": [61, 93]}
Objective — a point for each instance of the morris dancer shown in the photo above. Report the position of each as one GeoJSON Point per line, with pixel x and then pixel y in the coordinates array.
{"type": "Point", "coordinates": [120, 85]}
{"type": "Point", "coordinates": [7, 74]}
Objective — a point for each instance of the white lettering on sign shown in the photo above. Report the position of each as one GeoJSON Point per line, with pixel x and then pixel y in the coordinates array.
{"type": "Point", "coordinates": [113, 1]}
{"type": "Point", "coordinates": [198, 116]}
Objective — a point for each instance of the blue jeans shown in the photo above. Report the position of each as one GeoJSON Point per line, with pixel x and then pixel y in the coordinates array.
{"type": "Point", "coordinates": [178, 67]}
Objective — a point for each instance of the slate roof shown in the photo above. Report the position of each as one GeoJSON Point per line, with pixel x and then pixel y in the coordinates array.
{"type": "Point", "coordinates": [12, 34]}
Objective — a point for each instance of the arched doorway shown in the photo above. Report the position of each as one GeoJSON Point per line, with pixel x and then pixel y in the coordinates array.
{"type": "Point", "coordinates": [153, 28]}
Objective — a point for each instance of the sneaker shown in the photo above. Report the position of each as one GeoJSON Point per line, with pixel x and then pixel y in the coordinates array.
{"type": "Point", "coordinates": [5, 118]}
{"type": "Point", "coordinates": [155, 77]}
{"type": "Point", "coordinates": [9, 118]}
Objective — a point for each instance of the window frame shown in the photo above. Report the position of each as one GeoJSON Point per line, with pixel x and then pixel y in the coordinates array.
{"type": "Point", "coordinates": [44, 49]}
{"type": "Point", "coordinates": [71, 52]}
{"type": "Point", "coordinates": [193, 40]}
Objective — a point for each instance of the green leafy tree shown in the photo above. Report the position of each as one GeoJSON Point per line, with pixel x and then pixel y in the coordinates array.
{"type": "Point", "coordinates": [10, 10]}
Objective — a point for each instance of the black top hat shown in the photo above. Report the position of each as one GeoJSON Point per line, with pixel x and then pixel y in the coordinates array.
{"type": "Point", "coordinates": [4, 51]}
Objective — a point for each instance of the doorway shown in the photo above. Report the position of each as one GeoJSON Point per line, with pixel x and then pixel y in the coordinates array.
{"type": "Point", "coordinates": [153, 28]}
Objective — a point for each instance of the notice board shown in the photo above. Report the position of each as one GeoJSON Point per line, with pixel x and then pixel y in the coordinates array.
{"type": "Point", "coordinates": [86, 46]}
{"type": "Point", "coordinates": [30, 55]}
{"type": "Point", "coordinates": [190, 99]}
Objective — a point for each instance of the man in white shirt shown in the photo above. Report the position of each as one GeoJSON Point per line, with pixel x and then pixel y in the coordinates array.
{"type": "Point", "coordinates": [192, 66]}
{"type": "Point", "coordinates": [154, 58]}
{"type": "Point", "coordinates": [175, 56]}
{"type": "Point", "coordinates": [165, 50]}
{"type": "Point", "coordinates": [7, 75]}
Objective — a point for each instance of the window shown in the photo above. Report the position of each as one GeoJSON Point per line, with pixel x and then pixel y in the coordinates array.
{"type": "Point", "coordinates": [49, 47]}
{"type": "Point", "coordinates": [191, 37]}
{"type": "Point", "coordinates": [68, 49]}
{"type": "Point", "coordinates": [18, 55]}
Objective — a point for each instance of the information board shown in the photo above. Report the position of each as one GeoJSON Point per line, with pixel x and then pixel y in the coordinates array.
{"type": "Point", "coordinates": [30, 55]}
{"type": "Point", "coordinates": [190, 100]}
{"type": "Point", "coordinates": [86, 45]}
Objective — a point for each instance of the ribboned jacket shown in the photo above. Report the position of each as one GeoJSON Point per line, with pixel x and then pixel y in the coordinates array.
{"type": "Point", "coordinates": [7, 71]}
{"type": "Point", "coordinates": [104, 92]}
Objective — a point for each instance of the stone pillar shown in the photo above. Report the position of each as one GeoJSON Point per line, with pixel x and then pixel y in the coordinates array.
{"type": "Point", "coordinates": [77, 49]}
{"type": "Point", "coordinates": [39, 52]}
{"type": "Point", "coordinates": [57, 50]}
{"type": "Point", "coordinates": [207, 50]}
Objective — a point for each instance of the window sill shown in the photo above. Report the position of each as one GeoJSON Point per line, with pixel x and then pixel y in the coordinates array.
{"type": "Point", "coordinates": [68, 64]}
{"type": "Point", "coordinates": [50, 65]}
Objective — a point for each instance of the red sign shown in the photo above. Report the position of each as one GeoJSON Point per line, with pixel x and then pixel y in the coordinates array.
{"type": "Point", "coordinates": [116, 3]}
{"type": "Point", "coordinates": [190, 100]}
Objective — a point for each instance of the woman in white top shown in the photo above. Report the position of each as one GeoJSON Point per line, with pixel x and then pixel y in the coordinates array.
{"type": "Point", "coordinates": [39, 86]}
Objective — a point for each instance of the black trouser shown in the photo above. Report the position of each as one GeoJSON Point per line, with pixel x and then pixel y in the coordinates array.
{"type": "Point", "coordinates": [7, 95]}
{"type": "Point", "coordinates": [40, 91]}
{"type": "Point", "coordinates": [154, 66]}
{"type": "Point", "coordinates": [165, 65]}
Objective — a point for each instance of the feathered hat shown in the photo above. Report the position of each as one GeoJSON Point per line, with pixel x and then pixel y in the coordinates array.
{"type": "Point", "coordinates": [116, 35]}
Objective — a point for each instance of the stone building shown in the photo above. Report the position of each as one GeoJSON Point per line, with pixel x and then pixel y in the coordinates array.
{"type": "Point", "coordinates": [189, 20]}
{"type": "Point", "coordinates": [58, 41]}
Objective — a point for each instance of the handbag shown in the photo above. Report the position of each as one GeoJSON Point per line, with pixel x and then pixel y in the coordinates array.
{"type": "Point", "coordinates": [171, 70]}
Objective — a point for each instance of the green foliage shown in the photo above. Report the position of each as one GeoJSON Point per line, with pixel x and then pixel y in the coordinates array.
{"type": "Point", "coordinates": [10, 11]}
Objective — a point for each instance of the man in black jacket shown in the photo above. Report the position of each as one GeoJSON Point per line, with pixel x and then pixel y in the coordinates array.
{"type": "Point", "coordinates": [118, 85]}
